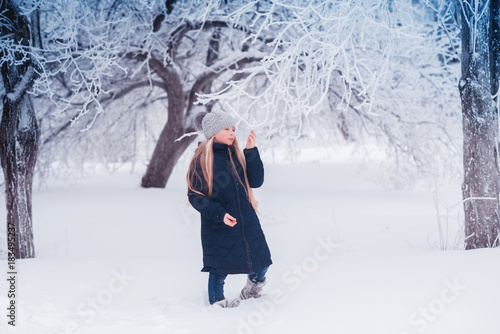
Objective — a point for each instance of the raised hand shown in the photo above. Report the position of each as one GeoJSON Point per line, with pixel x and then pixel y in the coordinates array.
{"type": "Point", "coordinates": [252, 140]}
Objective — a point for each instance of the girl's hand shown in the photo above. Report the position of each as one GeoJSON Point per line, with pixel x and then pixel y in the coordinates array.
{"type": "Point", "coordinates": [229, 220]}
{"type": "Point", "coordinates": [252, 140]}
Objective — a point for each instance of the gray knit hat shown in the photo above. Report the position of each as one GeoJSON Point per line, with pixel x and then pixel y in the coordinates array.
{"type": "Point", "coordinates": [213, 122]}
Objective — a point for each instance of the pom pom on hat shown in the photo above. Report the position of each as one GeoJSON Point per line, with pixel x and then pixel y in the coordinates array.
{"type": "Point", "coordinates": [198, 119]}
{"type": "Point", "coordinates": [213, 122]}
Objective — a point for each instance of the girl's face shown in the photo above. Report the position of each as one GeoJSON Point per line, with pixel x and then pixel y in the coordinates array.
{"type": "Point", "coordinates": [225, 136]}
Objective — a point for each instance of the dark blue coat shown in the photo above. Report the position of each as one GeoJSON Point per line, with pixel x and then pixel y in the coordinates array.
{"type": "Point", "coordinates": [241, 249]}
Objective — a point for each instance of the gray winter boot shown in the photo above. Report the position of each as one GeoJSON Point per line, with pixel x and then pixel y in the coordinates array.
{"type": "Point", "coordinates": [227, 303]}
{"type": "Point", "coordinates": [252, 289]}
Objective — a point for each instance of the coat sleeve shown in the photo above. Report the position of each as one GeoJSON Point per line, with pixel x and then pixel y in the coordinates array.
{"type": "Point", "coordinates": [255, 168]}
{"type": "Point", "coordinates": [203, 204]}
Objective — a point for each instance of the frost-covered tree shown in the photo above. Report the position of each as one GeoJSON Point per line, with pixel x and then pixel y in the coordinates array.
{"type": "Point", "coordinates": [203, 49]}
{"type": "Point", "coordinates": [346, 62]}
{"type": "Point", "coordinates": [40, 40]}
{"type": "Point", "coordinates": [355, 70]}
{"type": "Point", "coordinates": [19, 132]}
{"type": "Point", "coordinates": [479, 84]}
{"type": "Point", "coordinates": [170, 51]}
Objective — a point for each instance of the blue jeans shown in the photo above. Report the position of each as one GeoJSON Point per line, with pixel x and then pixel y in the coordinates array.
{"type": "Point", "coordinates": [216, 283]}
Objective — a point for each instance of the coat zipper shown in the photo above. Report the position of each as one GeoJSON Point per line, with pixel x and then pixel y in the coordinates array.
{"type": "Point", "coordinates": [247, 249]}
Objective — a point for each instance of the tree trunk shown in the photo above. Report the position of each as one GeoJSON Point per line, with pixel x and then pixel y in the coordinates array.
{"type": "Point", "coordinates": [167, 151]}
{"type": "Point", "coordinates": [19, 131]}
{"type": "Point", "coordinates": [165, 156]}
{"type": "Point", "coordinates": [480, 189]}
{"type": "Point", "coordinates": [19, 137]}
{"type": "Point", "coordinates": [495, 47]}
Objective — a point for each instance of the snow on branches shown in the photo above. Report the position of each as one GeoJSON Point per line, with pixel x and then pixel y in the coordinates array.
{"type": "Point", "coordinates": [313, 41]}
{"type": "Point", "coordinates": [384, 68]}
{"type": "Point", "coordinates": [381, 68]}
{"type": "Point", "coordinates": [81, 49]}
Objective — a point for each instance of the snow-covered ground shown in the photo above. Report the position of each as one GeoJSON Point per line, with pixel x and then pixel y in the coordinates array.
{"type": "Point", "coordinates": [349, 257]}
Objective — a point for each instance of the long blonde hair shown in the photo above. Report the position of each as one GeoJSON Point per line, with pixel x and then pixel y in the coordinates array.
{"type": "Point", "coordinates": [204, 156]}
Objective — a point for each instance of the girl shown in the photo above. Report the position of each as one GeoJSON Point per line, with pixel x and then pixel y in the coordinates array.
{"type": "Point", "coordinates": [220, 181]}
